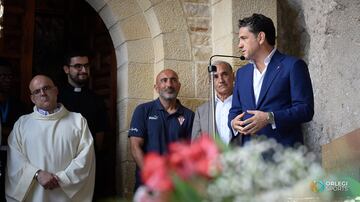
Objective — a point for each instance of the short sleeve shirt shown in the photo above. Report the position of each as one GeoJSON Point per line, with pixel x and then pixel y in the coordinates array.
{"type": "Point", "coordinates": [159, 128]}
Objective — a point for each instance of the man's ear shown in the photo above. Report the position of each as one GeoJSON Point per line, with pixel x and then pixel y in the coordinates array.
{"type": "Point", "coordinates": [66, 69]}
{"type": "Point", "coordinates": [261, 37]}
{"type": "Point", "coordinates": [156, 88]}
{"type": "Point", "coordinates": [32, 99]}
{"type": "Point", "coordinates": [56, 90]}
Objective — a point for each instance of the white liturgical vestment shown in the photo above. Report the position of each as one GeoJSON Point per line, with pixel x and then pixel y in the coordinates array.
{"type": "Point", "coordinates": [59, 143]}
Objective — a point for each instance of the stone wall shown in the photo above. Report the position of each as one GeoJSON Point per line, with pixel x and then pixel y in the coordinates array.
{"type": "Point", "coordinates": [326, 34]}
{"type": "Point", "coordinates": [150, 35]}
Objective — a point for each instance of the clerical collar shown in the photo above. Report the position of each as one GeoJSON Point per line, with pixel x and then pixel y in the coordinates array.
{"type": "Point", "coordinates": [45, 113]}
{"type": "Point", "coordinates": [77, 89]}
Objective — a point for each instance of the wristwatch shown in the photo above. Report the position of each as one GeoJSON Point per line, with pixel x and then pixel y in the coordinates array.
{"type": "Point", "coordinates": [36, 175]}
{"type": "Point", "coordinates": [270, 118]}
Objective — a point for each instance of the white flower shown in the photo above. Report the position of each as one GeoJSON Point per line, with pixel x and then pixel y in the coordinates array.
{"type": "Point", "coordinates": [263, 170]}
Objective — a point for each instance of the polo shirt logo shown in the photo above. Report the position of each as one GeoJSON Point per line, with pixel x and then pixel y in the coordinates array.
{"type": "Point", "coordinates": [134, 129]}
{"type": "Point", "coordinates": [181, 119]}
{"type": "Point", "coordinates": [153, 117]}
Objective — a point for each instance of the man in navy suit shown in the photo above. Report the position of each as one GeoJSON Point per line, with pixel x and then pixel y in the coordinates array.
{"type": "Point", "coordinates": [273, 94]}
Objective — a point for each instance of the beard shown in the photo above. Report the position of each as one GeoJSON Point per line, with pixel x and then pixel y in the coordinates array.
{"type": "Point", "coordinates": [79, 79]}
{"type": "Point", "coordinates": [168, 93]}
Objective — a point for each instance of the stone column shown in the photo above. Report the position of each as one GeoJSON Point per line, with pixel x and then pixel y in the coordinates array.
{"type": "Point", "coordinates": [225, 17]}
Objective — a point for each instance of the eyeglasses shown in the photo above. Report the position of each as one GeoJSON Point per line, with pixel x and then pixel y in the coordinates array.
{"type": "Point", "coordinates": [44, 89]}
{"type": "Point", "coordinates": [80, 66]}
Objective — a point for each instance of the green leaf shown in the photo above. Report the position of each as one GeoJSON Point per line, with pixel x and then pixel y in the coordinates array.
{"type": "Point", "coordinates": [183, 191]}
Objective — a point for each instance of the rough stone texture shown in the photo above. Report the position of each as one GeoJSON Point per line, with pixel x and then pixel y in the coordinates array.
{"type": "Point", "coordinates": [144, 4]}
{"type": "Point", "coordinates": [126, 170]}
{"type": "Point", "coordinates": [202, 80]}
{"type": "Point", "coordinates": [135, 27]}
{"type": "Point", "coordinates": [140, 85]}
{"type": "Point", "coordinates": [331, 48]}
{"type": "Point", "coordinates": [177, 46]}
{"type": "Point", "coordinates": [170, 16]}
{"type": "Point", "coordinates": [292, 35]}
{"type": "Point", "coordinates": [196, 1]}
{"type": "Point", "coordinates": [107, 16]}
{"type": "Point", "coordinates": [158, 43]}
{"type": "Point", "coordinates": [192, 103]}
{"type": "Point", "coordinates": [121, 54]}
{"type": "Point", "coordinates": [198, 25]}
{"type": "Point", "coordinates": [141, 51]}
{"type": "Point", "coordinates": [122, 83]}
{"type": "Point", "coordinates": [194, 9]}
{"type": "Point", "coordinates": [200, 39]}
{"type": "Point", "coordinates": [198, 17]}
{"type": "Point", "coordinates": [202, 53]}
{"type": "Point", "coordinates": [117, 35]}
{"type": "Point", "coordinates": [124, 8]}
{"type": "Point", "coordinates": [221, 20]}
{"type": "Point", "coordinates": [153, 22]}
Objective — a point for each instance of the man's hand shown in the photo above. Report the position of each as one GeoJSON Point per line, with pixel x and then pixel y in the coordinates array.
{"type": "Point", "coordinates": [48, 180]}
{"type": "Point", "coordinates": [237, 123]}
{"type": "Point", "coordinates": [254, 123]}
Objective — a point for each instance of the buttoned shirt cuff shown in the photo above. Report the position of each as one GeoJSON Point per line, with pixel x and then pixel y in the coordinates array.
{"type": "Point", "coordinates": [235, 132]}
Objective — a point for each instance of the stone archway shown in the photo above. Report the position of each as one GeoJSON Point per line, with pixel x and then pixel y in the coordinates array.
{"type": "Point", "coordinates": [146, 41]}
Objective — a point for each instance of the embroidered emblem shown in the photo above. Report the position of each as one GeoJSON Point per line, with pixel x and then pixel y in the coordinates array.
{"type": "Point", "coordinates": [134, 129]}
{"type": "Point", "coordinates": [181, 119]}
{"type": "Point", "coordinates": [153, 117]}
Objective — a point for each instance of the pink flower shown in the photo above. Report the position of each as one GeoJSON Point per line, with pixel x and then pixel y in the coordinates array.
{"type": "Point", "coordinates": [204, 155]}
{"type": "Point", "coordinates": [180, 159]}
{"type": "Point", "coordinates": [199, 158]}
{"type": "Point", "coordinates": [155, 172]}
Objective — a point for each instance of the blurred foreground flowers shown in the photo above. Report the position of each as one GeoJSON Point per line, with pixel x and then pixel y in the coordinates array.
{"type": "Point", "coordinates": [262, 170]}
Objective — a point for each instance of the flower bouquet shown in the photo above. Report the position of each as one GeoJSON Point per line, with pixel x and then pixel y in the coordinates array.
{"type": "Point", "coordinates": [182, 174]}
{"type": "Point", "coordinates": [261, 170]}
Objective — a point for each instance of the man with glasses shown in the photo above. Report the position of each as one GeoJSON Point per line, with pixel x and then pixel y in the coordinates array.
{"type": "Point", "coordinates": [77, 97]}
{"type": "Point", "coordinates": [51, 151]}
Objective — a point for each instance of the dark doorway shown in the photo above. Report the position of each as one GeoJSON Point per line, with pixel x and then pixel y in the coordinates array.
{"type": "Point", "coordinates": [38, 32]}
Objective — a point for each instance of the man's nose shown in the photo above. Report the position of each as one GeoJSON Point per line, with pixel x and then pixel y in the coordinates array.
{"type": "Point", "coordinates": [240, 45]}
{"type": "Point", "coordinates": [42, 92]}
{"type": "Point", "coordinates": [83, 69]}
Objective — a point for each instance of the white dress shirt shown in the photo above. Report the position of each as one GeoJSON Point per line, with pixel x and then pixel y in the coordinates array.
{"type": "Point", "coordinates": [221, 117]}
{"type": "Point", "coordinates": [258, 77]}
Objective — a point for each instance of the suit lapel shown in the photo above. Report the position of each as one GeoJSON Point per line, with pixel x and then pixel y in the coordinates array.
{"type": "Point", "coordinates": [210, 115]}
{"type": "Point", "coordinates": [272, 70]}
{"type": "Point", "coordinates": [252, 88]}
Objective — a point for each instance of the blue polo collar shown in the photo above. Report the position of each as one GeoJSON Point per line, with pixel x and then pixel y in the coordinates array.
{"type": "Point", "coordinates": [179, 110]}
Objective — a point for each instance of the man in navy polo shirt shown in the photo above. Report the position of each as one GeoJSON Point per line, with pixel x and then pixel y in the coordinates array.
{"type": "Point", "coordinates": [157, 123]}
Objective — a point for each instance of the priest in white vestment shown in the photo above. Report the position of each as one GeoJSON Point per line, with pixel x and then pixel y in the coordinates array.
{"type": "Point", "coordinates": [51, 153]}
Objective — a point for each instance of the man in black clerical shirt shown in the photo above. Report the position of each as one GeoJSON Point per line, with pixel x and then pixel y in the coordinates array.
{"type": "Point", "coordinates": [77, 97]}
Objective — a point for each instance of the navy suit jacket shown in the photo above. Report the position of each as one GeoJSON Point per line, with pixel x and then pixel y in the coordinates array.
{"type": "Point", "coordinates": [286, 91]}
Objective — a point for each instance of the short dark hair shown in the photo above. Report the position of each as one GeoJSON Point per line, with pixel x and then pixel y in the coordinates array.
{"type": "Point", "coordinates": [260, 23]}
{"type": "Point", "coordinates": [75, 53]}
